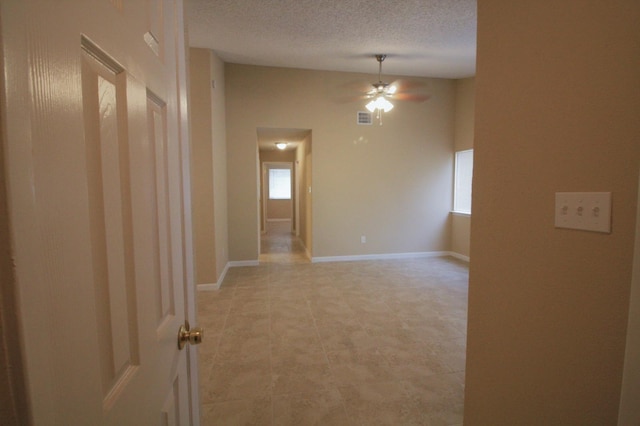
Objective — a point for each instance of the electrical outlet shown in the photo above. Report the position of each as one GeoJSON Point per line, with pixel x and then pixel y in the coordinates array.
{"type": "Point", "coordinates": [587, 211]}
{"type": "Point", "coordinates": [363, 239]}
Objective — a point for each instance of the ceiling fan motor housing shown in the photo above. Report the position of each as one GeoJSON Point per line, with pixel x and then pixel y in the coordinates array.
{"type": "Point", "coordinates": [380, 86]}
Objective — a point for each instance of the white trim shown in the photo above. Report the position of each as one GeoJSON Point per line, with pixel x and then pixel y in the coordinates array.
{"type": "Point", "coordinates": [208, 287]}
{"type": "Point", "coordinates": [386, 256]}
{"type": "Point", "coordinates": [237, 263]}
{"type": "Point", "coordinates": [263, 187]}
{"type": "Point", "coordinates": [222, 275]}
{"type": "Point", "coordinates": [459, 256]}
{"type": "Point", "coordinates": [214, 286]}
{"type": "Point", "coordinates": [463, 214]}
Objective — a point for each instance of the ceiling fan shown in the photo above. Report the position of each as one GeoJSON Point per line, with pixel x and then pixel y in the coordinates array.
{"type": "Point", "coordinates": [381, 92]}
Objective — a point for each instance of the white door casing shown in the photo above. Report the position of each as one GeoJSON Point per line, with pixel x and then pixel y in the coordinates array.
{"type": "Point", "coordinates": [266, 166]}
{"type": "Point", "coordinates": [96, 152]}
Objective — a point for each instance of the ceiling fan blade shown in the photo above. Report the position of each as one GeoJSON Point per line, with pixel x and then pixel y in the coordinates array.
{"type": "Point", "coordinates": [358, 86]}
{"type": "Point", "coordinates": [350, 91]}
{"type": "Point", "coordinates": [348, 99]}
{"type": "Point", "coordinates": [413, 97]}
{"type": "Point", "coordinates": [408, 85]}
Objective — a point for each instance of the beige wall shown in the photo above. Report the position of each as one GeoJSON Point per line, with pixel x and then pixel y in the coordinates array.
{"type": "Point", "coordinates": [303, 163]}
{"type": "Point", "coordinates": [557, 101]}
{"type": "Point", "coordinates": [461, 234]}
{"type": "Point", "coordinates": [277, 156]}
{"type": "Point", "coordinates": [202, 165]}
{"type": "Point", "coordinates": [219, 126]}
{"type": "Point", "coordinates": [279, 209]}
{"type": "Point", "coordinates": [391, 183]}
{"type": "Point", "coordinates": [208, 165]}
{"type": "Point", "coordinates": [463, 139]}
{"type": "Point", "coordinates": [465, 110]}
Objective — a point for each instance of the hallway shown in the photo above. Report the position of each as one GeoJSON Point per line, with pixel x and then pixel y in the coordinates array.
{"type": "Point", "coordinates": [280, 245]}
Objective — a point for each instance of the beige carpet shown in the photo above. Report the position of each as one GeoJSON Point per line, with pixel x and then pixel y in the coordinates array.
{"type": "Point", "coordinates": [348, 343]}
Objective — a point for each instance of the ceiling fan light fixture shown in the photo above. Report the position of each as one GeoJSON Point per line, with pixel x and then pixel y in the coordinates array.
{"type": "Point", "coordinates": [379, 103]}
{"type": "Point", "coordinates": [384, 104]}
{"type": "Point", "coordinates": [380, 91]}
{"type": "Point", "coordinates": [281, 145]}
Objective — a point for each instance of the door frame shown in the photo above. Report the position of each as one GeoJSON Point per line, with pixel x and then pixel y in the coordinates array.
{"type": "Point", "coordinates": [266, 165]}
{"type": "Point", "coordinates": [189, 280]}
{"type": "Point", "coordinates": [628, 411]}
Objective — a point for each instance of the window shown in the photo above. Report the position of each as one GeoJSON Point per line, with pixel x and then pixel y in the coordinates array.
{"type": "Point", "coordinates": [279, 184]}
{"type": "Point", "coordinates": [462, 184]}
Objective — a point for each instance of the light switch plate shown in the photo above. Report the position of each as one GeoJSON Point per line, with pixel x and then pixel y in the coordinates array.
{"type": "Point", "coordinates": [588, 211]}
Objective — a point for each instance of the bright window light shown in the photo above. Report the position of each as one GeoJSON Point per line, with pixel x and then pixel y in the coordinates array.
{"type": "Point", "coordinates": [279, 184]}
{"type": "Point", "coordinates": [463, 180]}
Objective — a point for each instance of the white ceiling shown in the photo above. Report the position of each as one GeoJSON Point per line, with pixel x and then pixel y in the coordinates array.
{"type": "Point", "coordinates": [422, 38]}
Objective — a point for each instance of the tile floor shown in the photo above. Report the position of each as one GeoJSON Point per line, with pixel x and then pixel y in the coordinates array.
{"type": "Point", "coordinates": [347, 343]}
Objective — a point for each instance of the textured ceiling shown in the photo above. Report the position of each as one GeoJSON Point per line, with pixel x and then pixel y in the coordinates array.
{"type": "Point", "coordinates": [425, 38]}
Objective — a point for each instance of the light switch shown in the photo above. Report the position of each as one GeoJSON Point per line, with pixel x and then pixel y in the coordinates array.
{"type": "Point", "coordinates": [588, 211]}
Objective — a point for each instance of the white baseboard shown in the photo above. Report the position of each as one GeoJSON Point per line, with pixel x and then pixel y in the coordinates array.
{"type": "Point", "coordinates": [208, 287]}
{"type": "Point", "coordinates": [214, 286]}
{"type": "Point", "coordinates": [321, 259]}
{"type": "Point", "coordinates": [237, 263]}
{"type": "Point", "coordinates": [386, 256]}
{"type": "Point", "coordinates": [459, 256]}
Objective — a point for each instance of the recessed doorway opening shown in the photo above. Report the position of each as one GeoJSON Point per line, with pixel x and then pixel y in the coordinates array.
{"type": "Point", "coordinates": [284, 157]}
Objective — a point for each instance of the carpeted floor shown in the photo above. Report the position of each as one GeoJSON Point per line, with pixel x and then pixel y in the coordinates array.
{"type": "Point", "coordinates": [347, 343]}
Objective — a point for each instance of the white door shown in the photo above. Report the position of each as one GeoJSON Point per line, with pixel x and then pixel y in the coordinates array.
{"type": "Point", "coordinates": [95, 148]}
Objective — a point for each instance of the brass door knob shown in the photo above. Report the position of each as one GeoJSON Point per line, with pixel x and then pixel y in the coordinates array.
{"type": "Point", "coordinates": [187, 335]}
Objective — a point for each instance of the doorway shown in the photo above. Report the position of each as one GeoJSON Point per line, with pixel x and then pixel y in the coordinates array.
{"type": "Point", "coordinates": [284, 162]}
{"type": "Point", "coordinates": [278, 195]}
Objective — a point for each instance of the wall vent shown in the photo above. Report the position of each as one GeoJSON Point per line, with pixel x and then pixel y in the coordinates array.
{"type": "Point", "coordinates": [364, 117]}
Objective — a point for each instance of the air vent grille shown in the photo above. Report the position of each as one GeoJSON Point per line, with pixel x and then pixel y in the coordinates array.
{"type": "Point", "coordinates": [364, 118]}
